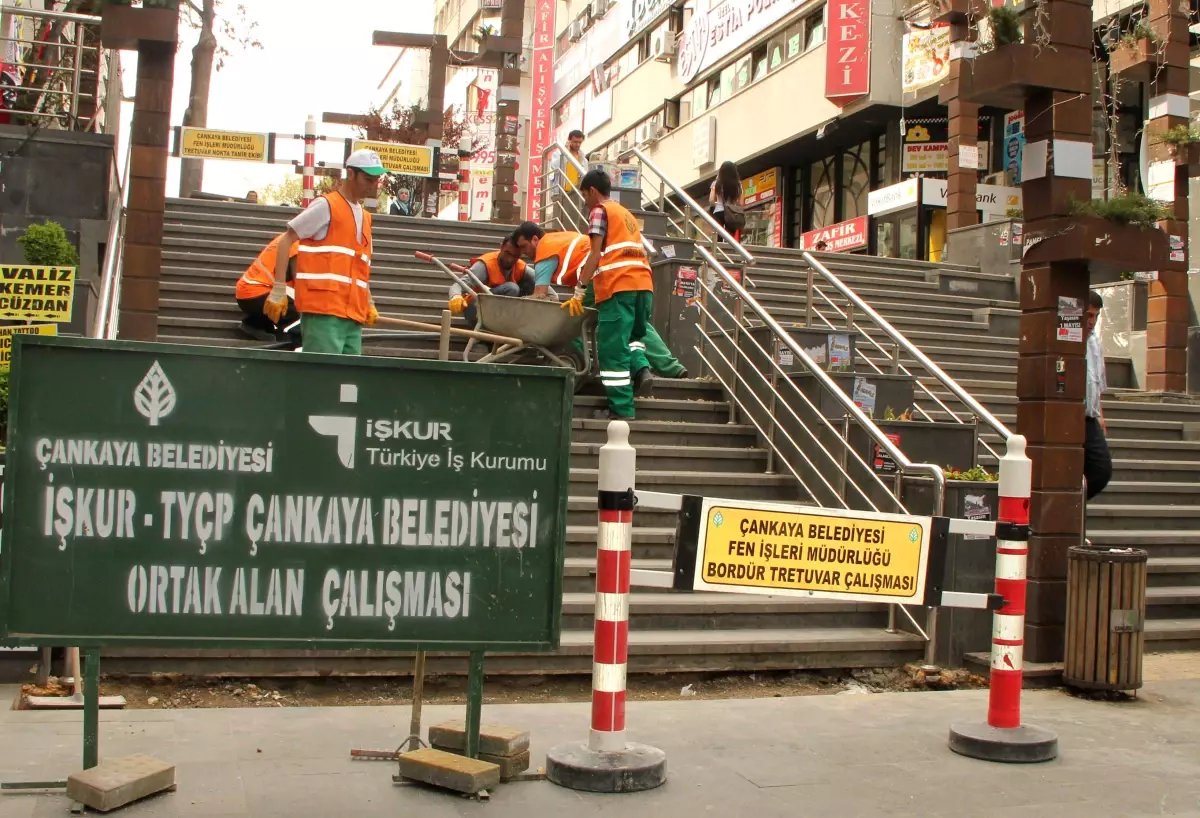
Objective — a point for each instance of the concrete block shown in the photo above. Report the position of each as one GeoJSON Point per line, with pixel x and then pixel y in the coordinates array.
{"type": "Point", "coordinates": [494, 739]}
{"type": "Point", "coordinates": [120, 781]}
{"type": "Point", "coordinates": [449, 771]}
{"type": "Point", "coordinates": [510, 766]}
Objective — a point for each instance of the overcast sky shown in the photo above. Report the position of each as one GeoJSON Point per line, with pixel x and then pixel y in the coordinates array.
{"type": "Point", "coordinates": [316, 57]}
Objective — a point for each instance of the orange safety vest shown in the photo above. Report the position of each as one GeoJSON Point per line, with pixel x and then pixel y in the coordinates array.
{"type": "Point", "coordinates": [333, 276]}
{"type": "Point", "coordinates": [495, 276]}
{"type": "Point", "coordinates": [572, 250]}
{"type": "Point", "coordinates": [259, 278]}
{"type": "Point", "coordinates": [624, 265]}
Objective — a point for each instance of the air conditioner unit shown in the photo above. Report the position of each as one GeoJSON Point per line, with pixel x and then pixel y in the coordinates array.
{"type": "Point", "coordinates": [640, 134]}
{"type": "Point", "coordinates": [624, 145]}
{"type": "Point", "coordinates": [575, 31]}
{"type": "Point", "coordinates": [589, 11]}
{"type": "Point", "coordinates": [601, 7]}
{"type": "Point", "coordinates": [662, 46]}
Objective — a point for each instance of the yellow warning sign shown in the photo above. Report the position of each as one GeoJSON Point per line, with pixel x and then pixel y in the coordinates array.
{"type": "Point", "coordinates": [410, 160]}
{"type": "Point", "coordinates": [6, 336]}
{"type": "Point", "coordinates": [37, 293]}
{"type": "Point", "coordinates": [204, 143]}
{"type": "Point", "coordinates": [774, 549]}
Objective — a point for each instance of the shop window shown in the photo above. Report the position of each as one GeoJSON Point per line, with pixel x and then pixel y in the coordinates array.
{"type": "Point", "coordinates": [760, 64]}
{"type": "Point", "coordinates": [714, 92]}
{"type": "Point", "coordinates": [821, 205]}
{"type": "Point", "coordinates": [793, 41]}
{"type": "Point", "coordinates": [814, 29]}
{"type": "Point", "coordinates": [699, 100]}
{"type": "Point", "coordinates": [727, 78]}
{"type": "Point", "coordinates": [741, 74]}
{"type": "Point", "coordinates": [856, 180]}
{"type": "Point", "coordinates": [775, 51]}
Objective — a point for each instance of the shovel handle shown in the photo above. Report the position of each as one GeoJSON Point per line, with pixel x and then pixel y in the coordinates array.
{"type": "Point", "coordinates": [423, 256]}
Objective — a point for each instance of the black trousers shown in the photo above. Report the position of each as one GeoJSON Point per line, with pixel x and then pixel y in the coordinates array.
{"type": "Point", "coordinates": [288, 329]}
{"type": "Point", "coordinates": [1097, 462]}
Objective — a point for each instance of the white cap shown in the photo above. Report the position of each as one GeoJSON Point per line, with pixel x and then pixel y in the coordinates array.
{"type": "Point", "coordinates": [367, 161]}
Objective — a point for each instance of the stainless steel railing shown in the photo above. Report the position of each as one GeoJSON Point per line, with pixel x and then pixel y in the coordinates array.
{"type": "Point", "coordinates": [56, 70]}
{"type": "Point", "coordinates": [108, 308]}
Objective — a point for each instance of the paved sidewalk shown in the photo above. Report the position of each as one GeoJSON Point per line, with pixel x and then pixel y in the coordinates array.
{"type": "Point", "coordinates": [849, 756]}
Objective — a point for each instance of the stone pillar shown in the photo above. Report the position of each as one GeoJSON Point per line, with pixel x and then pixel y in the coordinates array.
{"type": "Point", "coordinates": [1051, 373]}
{"type": "Point", "coordinates": [439, 55]}
{"type": "Point", "coordinates": [964, 130]}
{"type": "Point", "coordinates": [150, 135]}
{"type": "Point", "coordinates": [1167, 311]}
{"type": "Point", "coordinates": [508, 110]}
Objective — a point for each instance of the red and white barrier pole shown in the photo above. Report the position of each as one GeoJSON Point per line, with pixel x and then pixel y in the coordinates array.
{"type": "Point", "coordinates": [607, 762]}
{"type": "Point", "coordinates": [1004, 737]}
{"type": "Point", "coordinates": [310, 160]}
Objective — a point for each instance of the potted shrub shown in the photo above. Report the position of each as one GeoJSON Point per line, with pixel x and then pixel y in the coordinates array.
{"type": "Point", "coordinates": [1006, 66]}
{"type": "Point", "coordinates": [124, 25]}
{"type": "Point", "coordinates": [1135, 53]}
{"type": "Point", "coordinates": [1184, 144]}
{"type": "Point", "coordinates": [47, 245]}
{"type": "Point", "coordinates": [1112, 236]}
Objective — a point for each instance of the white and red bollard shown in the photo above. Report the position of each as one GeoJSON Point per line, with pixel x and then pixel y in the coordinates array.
{"type": "Point", "coordinates": [310, 161]}
{"type": "Point", "coordinates": [607, 762]}
{"type": "Point", "coordinates": [1003, 737]}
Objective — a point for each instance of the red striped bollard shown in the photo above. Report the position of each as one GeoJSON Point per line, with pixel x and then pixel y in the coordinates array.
{"type": "Point", "coordinates": [607, 762]}
{"type": "Point", "coordinates": [310, 161]}
{"type": "Point", "coordinates": [1004, 737]}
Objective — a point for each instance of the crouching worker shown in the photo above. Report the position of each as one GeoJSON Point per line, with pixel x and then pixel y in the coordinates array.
{"type": "Point", "coordinates": [624, 290]}
{"type": "Point", "coordinates": [253, 289]}
{"type": "Point", "coordinates": [333, 268]}
{"type": "Point", "coordinates": [501, 270]}
{"type": "Point", "coordinates": [558, 257]}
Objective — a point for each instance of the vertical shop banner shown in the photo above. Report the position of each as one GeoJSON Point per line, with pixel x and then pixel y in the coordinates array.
{"type": "Point", "coordinates": [848, 51]}
{"type": "Point", "coordinates": [1014, 146]}
{"type": "Point", "coordinates": [543, 84]}
{"type": "Point", "coordinates": [926, 56]}
{"type": "Point", "coordinates": [481, 130]}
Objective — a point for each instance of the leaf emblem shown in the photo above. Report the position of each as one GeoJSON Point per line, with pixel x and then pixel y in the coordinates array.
{"type": "Point", "coordinates": [154, 396]}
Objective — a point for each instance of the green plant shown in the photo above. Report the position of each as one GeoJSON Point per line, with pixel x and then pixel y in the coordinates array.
{"type": "Point", "coordinates": [1134, 209]}
{"type": "Point", "coordinates": [47, 245]}
{"type": "Point", "coordinates": [1005, 22]}
{"type": "Point", "coordinates": [1015, 213]}
{"type": "Point", "coordinates": [1140, 31]}
{"type": "Point", "coordinates": [975, 474]}
{"type": "Point", "coordinates": [889, 413]}
{"type": "Point", "coordinates": [3, 410]}
{"type": "Point", "coordinates": [1182, 135]}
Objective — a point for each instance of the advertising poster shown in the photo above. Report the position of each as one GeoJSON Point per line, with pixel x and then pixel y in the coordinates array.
{"type": "Point", "coordinates": [926, 56]}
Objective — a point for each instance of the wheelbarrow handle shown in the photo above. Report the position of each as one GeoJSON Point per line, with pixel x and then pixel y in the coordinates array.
{"type": "Point", "coordinates": [441, 265]}
{"type": "Point", "coordinates": [458, 268]}
{"type": "Point", "coordinates": [423, 256]}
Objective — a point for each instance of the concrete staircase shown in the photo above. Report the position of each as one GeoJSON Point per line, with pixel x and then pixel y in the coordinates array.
{"type": "Point", "coordinates": [966, 321]}
{"type": "Point", "coordinates": [685, 444]}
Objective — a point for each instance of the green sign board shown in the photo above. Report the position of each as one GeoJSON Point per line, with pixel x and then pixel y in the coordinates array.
{"type": "Point", "coordinates": [201, 497]}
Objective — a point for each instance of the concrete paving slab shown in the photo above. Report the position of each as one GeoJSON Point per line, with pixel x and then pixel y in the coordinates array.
{"type": "Point", "coordinates": [860, 755]}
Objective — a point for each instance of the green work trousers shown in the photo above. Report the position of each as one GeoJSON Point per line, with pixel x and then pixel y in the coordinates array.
{"type": "Point", "coordinates": [651, 351]}
{"type": "Point", "coordinates": [330, 334]}
{"type": "Point", "coordinates": [622, 322]}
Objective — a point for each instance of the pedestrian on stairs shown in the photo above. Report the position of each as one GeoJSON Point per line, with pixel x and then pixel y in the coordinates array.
{"type": "Point", "coordinates": [501, 270]}
{"type": "Point", "coordinates": [253, 289]}
{"type": "Point", "coordinates": [624, 290]}
{"type": "Point", "coordinates": [333, 268]}
{"type": "Point", "coordinates": [558, 257]}
{"type": "Point", "coordinates": [1097, 461]}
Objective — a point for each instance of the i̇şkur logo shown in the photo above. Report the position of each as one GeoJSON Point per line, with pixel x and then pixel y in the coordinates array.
{"type": "Point", "coordinates": [342, 427]}
{"type": "Point", "coordinates": [154, 397]}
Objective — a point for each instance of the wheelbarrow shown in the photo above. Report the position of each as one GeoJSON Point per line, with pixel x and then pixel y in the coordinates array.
{"type": "Point", "coordinates": [541, 326]}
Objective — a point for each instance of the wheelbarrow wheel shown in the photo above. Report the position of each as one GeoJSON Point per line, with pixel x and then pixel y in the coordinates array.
{"type": "Point", "coordinates": [580, 363]}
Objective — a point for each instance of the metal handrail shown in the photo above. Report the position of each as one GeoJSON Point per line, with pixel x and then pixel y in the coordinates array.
{"type": "Point", "coordinates": [76, 71]}
{"type": "Point", "coordinates": [874, 432]}
{"type": "Point", "coordinates": [902, 342]}
{"type": "Point", "coordinates": [105, 325]}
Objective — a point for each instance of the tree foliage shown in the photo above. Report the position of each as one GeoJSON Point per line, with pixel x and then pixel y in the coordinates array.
{"type": "Point", "coordinates": [47, 245]}
{"type": "Point", "coordinates": [290, 192]}
{"type": "Point", "coordinates": [400, 123]}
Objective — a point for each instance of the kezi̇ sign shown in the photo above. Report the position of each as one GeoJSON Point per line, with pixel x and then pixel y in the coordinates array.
{"type": "Point", "coordinates": [375, 504]}
{"type": "Point", "coordinates": [37, 293]}
{"type": "Point", "coordinates": [746, 547]}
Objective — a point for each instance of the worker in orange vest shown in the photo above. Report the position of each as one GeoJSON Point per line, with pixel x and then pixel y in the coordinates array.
{"type": "Point", "coordinates": [558, 257]}
{"type": "Point", "coordinates": [253, 289]}
{"type": "Point", "coordinates": [624, 290]}
{"type": "Point", "coordinates": [333, 268]}
{"type": "Point", "coordinates": [501, 270]}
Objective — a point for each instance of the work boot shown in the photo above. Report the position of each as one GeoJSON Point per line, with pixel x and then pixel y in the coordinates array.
{"type": "Point", "coordinates": [608, 414]}
{"type": "Point", "coordinates": [257, 333]}
{"type": "Point", "coordinates": [643, 383]}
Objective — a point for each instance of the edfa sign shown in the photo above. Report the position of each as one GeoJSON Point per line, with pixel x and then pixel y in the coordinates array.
{"type": "Point", "coordinates": [371, 504]}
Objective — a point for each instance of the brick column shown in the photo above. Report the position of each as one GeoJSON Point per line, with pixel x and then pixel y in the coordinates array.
{"type": "Point", "coordinates": [1167, 311]}
{"type": "Point", "coordinates": [508, 110]}
{"type": "Point", "coordinates": [1051, 373]}
{"type": "Point", "coordinates": [964, 130]}
{"type": "Point", "coordinates": [150, 134]}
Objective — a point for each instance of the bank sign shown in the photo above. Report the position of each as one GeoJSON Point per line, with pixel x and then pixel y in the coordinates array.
{"type": "Point", "coordinates": [209, 498]}
{"type": "Point", "coordinates": [729, 24]}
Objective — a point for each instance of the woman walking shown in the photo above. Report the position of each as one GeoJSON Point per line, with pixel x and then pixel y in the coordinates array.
{"type": "Point", "coordinates": [725, 200]}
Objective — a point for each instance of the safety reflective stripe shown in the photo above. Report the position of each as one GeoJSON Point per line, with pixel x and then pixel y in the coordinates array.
{"type": "Point", "coordinates": [291, 326]}
{"type": "Point", "coordinates": [333, 248]}
{"type": "Point", "coordinates": [639, 264]}
{"type": "Point", "coordinates": [562, 270]}
{"type": "Point", "coordinates": [615, 378]}
{"type": "Point", "coordinates": [291, 292]}
{"type": "Point", "coordinates": [622, 245]}
{"type": "Point", "coordinates": [332, 277]}
{"type": "Point", "coordinates": [636, 345]}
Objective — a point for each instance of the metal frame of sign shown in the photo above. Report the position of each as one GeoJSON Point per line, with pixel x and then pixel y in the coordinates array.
{"type": "Point", "coordinates": [692, 535]}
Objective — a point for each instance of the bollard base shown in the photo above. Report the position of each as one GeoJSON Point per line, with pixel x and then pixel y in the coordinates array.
{"type": "Point", "coordinates": [1026, 744]}
{"type": "Point", "coordinates": [635, 769]}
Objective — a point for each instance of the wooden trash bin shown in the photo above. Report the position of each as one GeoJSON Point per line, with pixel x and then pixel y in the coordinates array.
{"type": "Point", "coordinates": [1106, 617]}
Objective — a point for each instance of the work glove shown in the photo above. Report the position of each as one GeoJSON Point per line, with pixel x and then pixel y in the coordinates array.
{"type": "Point", "coordinates": [276, 303]}
{"type": "Point", "coordinates": [372, 314]}
{"type": "Point", "coordinates": [574, 305]}
{"type": "Point", "coordinates": [457, 305]}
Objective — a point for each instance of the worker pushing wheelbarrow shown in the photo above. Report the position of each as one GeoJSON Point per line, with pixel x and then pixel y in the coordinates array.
{"type": "Point", "coordinates": [541, 326]}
